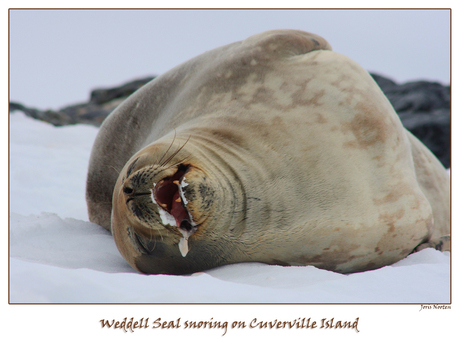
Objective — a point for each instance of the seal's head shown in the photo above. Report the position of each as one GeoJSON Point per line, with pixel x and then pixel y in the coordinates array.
{"type": "Point", "coordinates": [162, 219]}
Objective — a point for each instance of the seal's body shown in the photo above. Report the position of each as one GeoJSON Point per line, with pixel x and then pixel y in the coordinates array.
{"type": "Point", "coordinates": [275, 150]}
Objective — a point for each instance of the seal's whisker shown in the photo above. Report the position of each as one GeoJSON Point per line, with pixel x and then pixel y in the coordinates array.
{"type": "Point", "coordinates": [172, 156]}
{"type": "Point", "coordinates": [159, 170]}
{"type": "Point", "coordinates": [117, 171]}
{"type": "Point", "coordinates": [175, 153]}
{"type": "Point", "coordinates": [160, 236]}
{"type": "Point", "coordinates": [154, 241]}
{"type": "Point", "coordinates": [174, 139]}
{"type": "Point", "coordinates": [177, 163]}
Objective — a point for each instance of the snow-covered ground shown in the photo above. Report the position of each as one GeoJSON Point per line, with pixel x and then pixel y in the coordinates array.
{"type": "Point", "coordinates": [57, 255]}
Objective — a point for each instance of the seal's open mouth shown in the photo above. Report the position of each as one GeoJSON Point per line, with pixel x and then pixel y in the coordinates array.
{"type": "Point", "coordinates": [168, 194]}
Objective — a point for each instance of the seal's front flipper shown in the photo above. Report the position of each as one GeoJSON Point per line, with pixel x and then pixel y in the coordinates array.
{"type": "Point", "coordinates": [442, 243]}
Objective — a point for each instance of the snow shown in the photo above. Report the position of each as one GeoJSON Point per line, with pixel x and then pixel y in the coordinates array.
{"type": "Point", "coordinates": [58, 256]}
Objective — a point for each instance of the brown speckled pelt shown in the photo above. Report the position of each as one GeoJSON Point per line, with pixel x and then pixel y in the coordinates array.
{"type": "Point", "coordinates": [274, 149]}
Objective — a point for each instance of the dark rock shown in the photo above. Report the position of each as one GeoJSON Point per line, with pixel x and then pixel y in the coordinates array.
{"type": "Point", "coordinates": [101, 103]}
{"type": "Point", "coordinates": [385, 84]}
{"type": "Point", "coordinates": [101, 96]}
{"type": "Point", "coordinates": [433, 129]}
{"type": "Point", "coordinates": [419, 96]}
{"type": "Point", "coordinates": [424, 109]}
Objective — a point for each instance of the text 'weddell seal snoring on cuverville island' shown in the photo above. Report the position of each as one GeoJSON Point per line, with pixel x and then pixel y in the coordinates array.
{"type": "Point", "coordinates": [274, 150]}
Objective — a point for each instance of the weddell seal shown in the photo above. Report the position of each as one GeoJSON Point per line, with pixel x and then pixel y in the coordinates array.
{"type": "Point", "coordinates": [273, 149]}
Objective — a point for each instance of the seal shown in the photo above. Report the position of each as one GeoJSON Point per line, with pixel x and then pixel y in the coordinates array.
{"type": "Point", "coordinates": [274, 149]}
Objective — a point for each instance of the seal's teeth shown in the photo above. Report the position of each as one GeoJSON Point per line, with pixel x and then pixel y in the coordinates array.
{"type": "Point", "coordinates": [183, 246]}
{"type": "Point", "coordinates": [183, 183]}
{"type": "Point", "coordinates": [178, 200]}
{"type": "Point", "coordinates": [176, 182]}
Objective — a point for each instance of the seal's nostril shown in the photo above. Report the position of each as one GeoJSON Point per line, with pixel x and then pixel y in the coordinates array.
{"type": "Point", "coordinates": [128, 190]}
